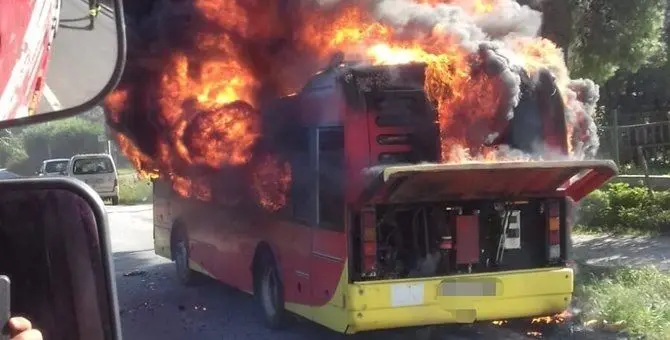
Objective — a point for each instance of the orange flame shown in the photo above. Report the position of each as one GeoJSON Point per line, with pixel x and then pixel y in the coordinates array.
{"type": "Point", "coordinates": [472, 6]}
{"type": "Point", "coordinates": [558, 318]}
{"type": "Point", "coordinates": [207, 100]}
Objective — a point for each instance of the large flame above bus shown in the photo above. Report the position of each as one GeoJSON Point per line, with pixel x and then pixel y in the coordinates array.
{"type": "Point", "coordinates": [188, 106]}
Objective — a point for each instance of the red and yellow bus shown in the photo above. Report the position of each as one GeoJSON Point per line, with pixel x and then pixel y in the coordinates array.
{"type": "Point", "coordinates": [375, 234]}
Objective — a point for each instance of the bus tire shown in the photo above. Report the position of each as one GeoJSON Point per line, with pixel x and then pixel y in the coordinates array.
{"type": "Point", "coordinates": [270, 293]}
{"type": "Point", "coordinates": [185, 274]}
{"type": "Point", "coordinates": [115, 200]}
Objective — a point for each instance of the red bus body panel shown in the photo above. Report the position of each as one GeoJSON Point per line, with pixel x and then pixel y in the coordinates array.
{"type": "Point", "coordinates": [444, 182]}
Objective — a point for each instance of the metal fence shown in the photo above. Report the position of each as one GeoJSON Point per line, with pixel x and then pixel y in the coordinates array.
{"type": "Point", "coordinates": [650, 131]}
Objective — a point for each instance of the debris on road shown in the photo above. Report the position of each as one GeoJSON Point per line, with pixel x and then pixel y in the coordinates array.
{"type": "Point", "coordinates": [135, 273]}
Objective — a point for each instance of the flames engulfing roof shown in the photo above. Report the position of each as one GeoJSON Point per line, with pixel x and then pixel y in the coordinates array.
{"type": "Point", "coordinates": [197, 71]}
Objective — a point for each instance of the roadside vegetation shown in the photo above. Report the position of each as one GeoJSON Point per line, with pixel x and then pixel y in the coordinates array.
{"type": "Point", "coordinates": [132, 189]}
{"type": "Point", "coordinates": [635, 301]}
{"type": "Point", "coordinates": [620, 208]}
{"type": "Point", "coordinates": [23, 149]}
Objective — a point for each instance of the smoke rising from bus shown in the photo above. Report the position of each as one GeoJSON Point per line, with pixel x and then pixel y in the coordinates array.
{"type": "Point", "coordinates": [188, 107]}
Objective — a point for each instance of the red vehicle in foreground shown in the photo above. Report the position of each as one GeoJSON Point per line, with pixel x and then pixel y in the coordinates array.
{"type": "Point", "coordinates": [27, 31]}
{"type": "Point", "coordinates": [376, 234]}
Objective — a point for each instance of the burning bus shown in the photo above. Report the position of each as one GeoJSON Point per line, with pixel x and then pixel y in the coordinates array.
{"type": "Point", "coordinates": [418, 179]}
{"type": "Point", "coordinates": [374, 233]}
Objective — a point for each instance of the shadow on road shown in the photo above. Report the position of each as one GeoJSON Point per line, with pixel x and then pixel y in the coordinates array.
{"type": "Point", "coordinates": [623, 250]}
{"type": "Point", "coordinates": [84, 18]}
{"type": "Point", "coordinates": [83, 28]}
{"type": "Point", "coordinates": [154, 304]}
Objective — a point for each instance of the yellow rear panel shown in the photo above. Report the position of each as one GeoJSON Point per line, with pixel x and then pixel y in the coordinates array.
{"type": "Point", "coordinates": [458, 299]}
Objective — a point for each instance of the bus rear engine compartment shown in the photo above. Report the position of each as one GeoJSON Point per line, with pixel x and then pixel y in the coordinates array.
{"type": "Point", "coordinates": [426, 240]}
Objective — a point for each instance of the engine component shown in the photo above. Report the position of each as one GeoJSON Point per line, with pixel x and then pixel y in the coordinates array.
{"type": "Point", "coordinates": [513, 232]}
{"type": "Point", "coordinates": [467, 239]}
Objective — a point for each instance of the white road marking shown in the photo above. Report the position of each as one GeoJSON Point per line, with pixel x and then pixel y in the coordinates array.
{"type": "Point", "coordinates": [51, 98]}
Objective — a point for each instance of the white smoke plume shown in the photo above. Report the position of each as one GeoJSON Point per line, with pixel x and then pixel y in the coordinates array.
{"type": "Point", "coordinates": [489, 34]}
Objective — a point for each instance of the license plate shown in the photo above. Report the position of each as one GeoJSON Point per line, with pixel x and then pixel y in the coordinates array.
{"type": "Point", "coordinates": [468, 288]}
{"type": "Point", "coordinates": [407, 294]}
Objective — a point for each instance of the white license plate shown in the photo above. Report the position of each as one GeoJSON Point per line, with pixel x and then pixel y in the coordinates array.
{"type": "Point", "coordinates": [407, 294]}
{"type": "Point", "coordinates": [468, 288]}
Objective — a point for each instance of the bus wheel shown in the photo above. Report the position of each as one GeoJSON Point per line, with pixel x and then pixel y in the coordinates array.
{"type": "Point", "coordinates": [185, 275]}
{"type": "Point", "coordinates": [271, 294]}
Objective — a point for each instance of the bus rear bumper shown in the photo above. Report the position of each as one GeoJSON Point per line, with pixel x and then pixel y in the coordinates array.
{"type": "Point", "coordinates": [458, 299]}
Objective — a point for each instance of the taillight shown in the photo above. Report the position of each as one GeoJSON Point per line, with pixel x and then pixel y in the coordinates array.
{"type": "Point", "coordinates": [369, 239]}
{"type": "Point", "coordinates": [554, 229]}
{"type": "Point", "coordinates": [116, 182]}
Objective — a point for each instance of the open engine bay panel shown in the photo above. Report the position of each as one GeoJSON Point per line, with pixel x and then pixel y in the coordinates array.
{"type": "Point", "coordinates": [424, 240]}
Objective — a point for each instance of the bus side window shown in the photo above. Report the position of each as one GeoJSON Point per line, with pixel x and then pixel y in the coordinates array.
{"type": "Point", "coordinates": [302, 195]}
{"type": "Point", "coordinates": [331, 179]}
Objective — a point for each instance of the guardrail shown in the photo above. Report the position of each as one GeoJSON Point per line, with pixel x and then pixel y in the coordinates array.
{"type": "Point", "coordinates": [656, 182]}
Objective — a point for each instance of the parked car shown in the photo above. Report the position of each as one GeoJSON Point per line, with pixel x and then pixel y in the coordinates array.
{"type": "Point", "coordinates": [99, 172]}
{"type": "Point", "coordinates": [6, 174]}
{"type": "Point", "coordinates": [53, 167]}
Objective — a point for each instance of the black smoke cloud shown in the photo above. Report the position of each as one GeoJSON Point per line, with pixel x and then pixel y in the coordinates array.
{"type": "Point", "coordinates": [158, 29]}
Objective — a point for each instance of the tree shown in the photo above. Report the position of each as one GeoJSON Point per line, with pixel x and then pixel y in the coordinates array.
{"type": "Point", "coordinates": [58, 139]}
{"type": "Point", "coordinates": [11, 149]}
{"type": "Point", "coordinates": [557, 21]}
{"type": "Point", "coordinates": [613, 35]}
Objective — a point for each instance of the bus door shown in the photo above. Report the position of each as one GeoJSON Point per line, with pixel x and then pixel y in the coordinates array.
{"type": "Point", "coordinates": [328, 236]}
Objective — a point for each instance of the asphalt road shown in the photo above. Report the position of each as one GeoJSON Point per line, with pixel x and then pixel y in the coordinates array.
{"type": "Point", "coordinates": [83, 60]}
{"type": "Point", "coordinates": [155, 306]}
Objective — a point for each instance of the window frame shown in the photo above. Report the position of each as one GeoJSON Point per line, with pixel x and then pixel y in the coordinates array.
{"type": "Point", "coordinates": [306, 212]}
{"type": "Point", "coordinates": [339, 226]}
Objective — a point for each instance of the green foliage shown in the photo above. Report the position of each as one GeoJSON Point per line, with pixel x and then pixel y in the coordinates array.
{"type": "Point", "coordinates": [638, 299]}
{"type": "Point", "coordinates": [11, 149]}
{"type": "Point", "coordinates": [133, 190]}
{"type": "Point", "coordinates": [611, 36]}
{"type": "Point", "coordinates": [57, 139]}
{"type": "Point", "coordinates": [621, 208]}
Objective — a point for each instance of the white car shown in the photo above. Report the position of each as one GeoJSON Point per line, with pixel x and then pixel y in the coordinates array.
{"type": "Point", "coordinates": [99, 172]}
{"type": "Point", "coordinates": [53, 167]}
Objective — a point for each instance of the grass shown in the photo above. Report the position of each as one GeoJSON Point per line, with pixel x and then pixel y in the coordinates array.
{"type": "Point", "coordinates": [126, 172]}
{"type": "Point", "coordinates": [133, 190]}
{"type": "Point", "coordinates": [580, 229]}
{"type": "Point", "coordinates": [635, 300]}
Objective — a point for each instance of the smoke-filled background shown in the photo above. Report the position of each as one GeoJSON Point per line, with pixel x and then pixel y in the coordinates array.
{"type": "Point", "coordinates": [198, 71]}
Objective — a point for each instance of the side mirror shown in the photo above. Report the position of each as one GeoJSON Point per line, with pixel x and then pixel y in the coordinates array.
{"type": "Point", "coordinates": [55, 249]}
{"type": "Point", "coordinates": [65, 62]}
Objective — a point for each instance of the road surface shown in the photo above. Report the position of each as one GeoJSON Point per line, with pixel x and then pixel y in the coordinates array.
{"type": "Point", "coordinates": [155, 306]}
{"type": "Point", "coordinates": [82, 60]}
{"type": "Point", "coordinates": [607, 250]}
